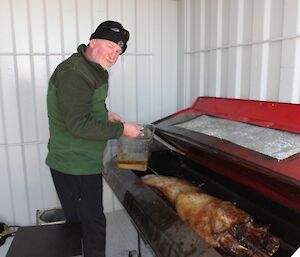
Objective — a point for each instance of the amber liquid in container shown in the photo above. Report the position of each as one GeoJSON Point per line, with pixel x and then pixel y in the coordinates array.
{"type": "Point", "coordinates": [133, 165]}
{"type": "Point", "coordinates": [133, 153]}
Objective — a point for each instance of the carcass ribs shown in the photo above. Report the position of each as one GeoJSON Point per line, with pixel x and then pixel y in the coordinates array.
{"type": "Point", "coordinates": [224, 226]}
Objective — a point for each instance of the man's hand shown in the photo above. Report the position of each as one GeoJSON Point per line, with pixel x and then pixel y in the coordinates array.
{"type": "Point", "coordinates": [132, 129]}
{"type": "Point", "coordinates": [114, 117]}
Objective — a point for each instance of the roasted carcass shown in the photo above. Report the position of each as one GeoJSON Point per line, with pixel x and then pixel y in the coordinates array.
{"type": "Point", "coordinates": [224, 226]}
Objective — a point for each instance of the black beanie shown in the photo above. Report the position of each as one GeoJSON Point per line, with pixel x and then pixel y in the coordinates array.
{"type": "Point", "coordinates": [113, 31]}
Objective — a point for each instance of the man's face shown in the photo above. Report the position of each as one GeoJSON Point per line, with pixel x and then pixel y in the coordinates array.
{"type": "Point", "coordinates": [105, 52]}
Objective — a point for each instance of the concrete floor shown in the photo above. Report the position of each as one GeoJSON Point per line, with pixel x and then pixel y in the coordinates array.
{"type": "Point", "coordinates": [4, 248]}
{"type": "Point", "coordinates": [121, 237]}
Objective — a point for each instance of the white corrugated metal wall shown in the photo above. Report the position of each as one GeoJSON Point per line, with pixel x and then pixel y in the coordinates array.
{"type": "Point", "coordinates": [35, 36]}
{"type": "Point", "coordinates": [178, 50]}
{"type": "Point", "coordinates": [245, 49]}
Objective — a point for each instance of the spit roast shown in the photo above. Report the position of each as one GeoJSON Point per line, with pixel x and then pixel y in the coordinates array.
{"type": "Point", "coordinates": [223, 225]}
{"type": "Point", "coordinates": [237, 191]}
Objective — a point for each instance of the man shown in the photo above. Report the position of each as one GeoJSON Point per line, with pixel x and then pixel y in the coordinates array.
{"type": "Point", "coordinates": [80, 126]}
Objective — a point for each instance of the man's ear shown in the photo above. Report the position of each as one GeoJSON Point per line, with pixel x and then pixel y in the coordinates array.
{"type": "Point", "coordinates": [92, 42]}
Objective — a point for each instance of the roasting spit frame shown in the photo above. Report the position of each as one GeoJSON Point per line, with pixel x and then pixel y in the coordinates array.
{"type": "Point", "coordinates": [276, 187]}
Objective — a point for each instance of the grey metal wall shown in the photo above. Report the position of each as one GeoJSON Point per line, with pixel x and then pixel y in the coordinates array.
{"type": "Point", "coordinates": [35, 36]}
{"type": "Point", "coordinates": [239, 48]}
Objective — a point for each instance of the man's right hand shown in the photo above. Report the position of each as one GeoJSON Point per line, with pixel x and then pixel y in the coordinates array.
{"type": "Point", "coordinates": [132, 129]}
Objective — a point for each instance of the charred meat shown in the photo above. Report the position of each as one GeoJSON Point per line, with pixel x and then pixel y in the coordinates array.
{"type": "Point", "coordinates": [224, 226]}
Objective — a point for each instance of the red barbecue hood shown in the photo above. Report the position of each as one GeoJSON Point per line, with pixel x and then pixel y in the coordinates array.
{"type": "Point", "coordinates": [277, 179]}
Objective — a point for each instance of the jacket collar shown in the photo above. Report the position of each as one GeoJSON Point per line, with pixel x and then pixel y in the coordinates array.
{"type": "Point", "coordinates": [80, 50]}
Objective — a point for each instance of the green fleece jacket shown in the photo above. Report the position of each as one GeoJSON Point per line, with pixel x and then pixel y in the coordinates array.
{"type": "Point", "coordinates": [78, 119]}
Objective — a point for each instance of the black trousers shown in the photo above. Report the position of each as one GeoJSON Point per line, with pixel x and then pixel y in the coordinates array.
{"type": "Point", "coordinates": [81, 199]}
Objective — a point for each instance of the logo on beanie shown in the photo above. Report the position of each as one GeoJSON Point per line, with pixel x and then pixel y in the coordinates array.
{"type": "Point", "coordinates": [121, 44]}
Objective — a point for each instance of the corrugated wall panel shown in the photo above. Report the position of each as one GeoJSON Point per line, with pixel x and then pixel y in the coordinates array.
{"type": "Point", "coordinates": [11, 122]}
{"type": "Point", "coordinates": [19, 11]}
{"type": "Point", "coordinates": [37, 25]}
{"type": "Point", "coordinates": [33, 179]}
{"type": "Point", "coordinates": [143, 91]}
{"type": "Point", "coordinates": [232, 84]}
{"type": "Point", "coordinates": [19, 190]}
{"type": "Point", "coordinates": [98, 12]}
{"type": "Point", "coordinates": [156, 52]}
{"type": "Point", "coordinates": [40, 34]}
{"type": "Point", "coordinates": [6, 41]}
{"type": "Point", "coordinates": [40, 75]}
{"type": "Point", "coordinates": [169, 61]}
{"type": "Point", "coordinates": [53, 27]}
{"type": "Point", "coordinates": [84, 9]}
{"type": "Point", "coordinates": [26, 99]}
{"type": "Point", "coordinates": [250, 49]}
{"type": "Point", "coordinates": [296, 62]}
{"type": "Point", "coordinates": [186, 62]}
{"type": "Point", "coordinates": [47, 187]}
{"type": "Point", "coordinates": [69, 25]}
{"type": "Point", "coordinates": [129, 85]}
{"type": "Point", "coordinates": [273, 79]}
